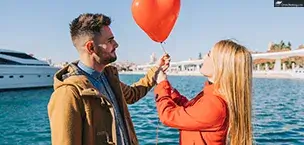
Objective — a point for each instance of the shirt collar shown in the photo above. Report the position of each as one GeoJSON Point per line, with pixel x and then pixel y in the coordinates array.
{"type": "Point", "coordinates": [90, 71]}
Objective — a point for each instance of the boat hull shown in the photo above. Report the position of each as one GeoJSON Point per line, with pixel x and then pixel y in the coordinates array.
{"type": "Point", "coordinates": [25, 76]}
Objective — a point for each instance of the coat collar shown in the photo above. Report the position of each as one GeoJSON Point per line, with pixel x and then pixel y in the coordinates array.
{"type": "Point", "coordinates": [209, 89]}
{"type": "Point", "coordinates": [71, 75]}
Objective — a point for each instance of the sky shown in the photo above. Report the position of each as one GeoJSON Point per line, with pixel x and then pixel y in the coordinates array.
{"type": "Point", "coordinates": [42, 27]}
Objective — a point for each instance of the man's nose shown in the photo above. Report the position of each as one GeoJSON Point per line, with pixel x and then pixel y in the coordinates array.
{"type": "Point", "coordinates": [115, 44]}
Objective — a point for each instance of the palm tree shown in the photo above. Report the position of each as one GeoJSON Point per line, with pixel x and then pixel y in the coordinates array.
{"type": "Point", "coordinates": [289, 45]}
{"type": "Point", "coordinates": [282, 45]}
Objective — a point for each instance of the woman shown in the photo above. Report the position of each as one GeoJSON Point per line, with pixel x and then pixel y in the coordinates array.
{"type": "Point", "coordinates": [221, 112]}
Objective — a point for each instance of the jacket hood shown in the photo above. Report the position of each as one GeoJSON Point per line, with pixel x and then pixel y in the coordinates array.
{"type": "Point", "coordinates": [72, 75]}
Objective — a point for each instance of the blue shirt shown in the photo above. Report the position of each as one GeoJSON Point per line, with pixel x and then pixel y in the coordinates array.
{"type": "Point", "coordinates": [100, 82]}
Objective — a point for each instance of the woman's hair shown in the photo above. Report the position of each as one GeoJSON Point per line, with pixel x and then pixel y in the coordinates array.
{"type": "Point", "coordinates": [233, 80]}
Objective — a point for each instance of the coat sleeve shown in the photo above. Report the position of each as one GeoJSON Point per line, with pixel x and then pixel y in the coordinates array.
{"type": "Point", "coordinates": [179, 99]}
{"type": "Point", "coordinates": [167, 89]}
{"type": "Point", "coordinates": [204, 115]}
{"type": "Point", "coordinates": [138, 90]}
{"type": "Point", "coordinates": [65, 117]}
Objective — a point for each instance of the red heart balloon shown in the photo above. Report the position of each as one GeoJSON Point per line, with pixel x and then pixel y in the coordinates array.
{"type": "Point", "coordinates": [156, 17]}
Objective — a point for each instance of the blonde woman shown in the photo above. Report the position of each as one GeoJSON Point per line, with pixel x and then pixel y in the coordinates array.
{"type": "Point", "coordinates": [221, 112]}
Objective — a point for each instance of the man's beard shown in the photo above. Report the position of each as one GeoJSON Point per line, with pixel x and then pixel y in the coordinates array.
{"type": "Point", "coordinates": [112, 59]}
{"type": "Point", "coordinates": [108, 60]}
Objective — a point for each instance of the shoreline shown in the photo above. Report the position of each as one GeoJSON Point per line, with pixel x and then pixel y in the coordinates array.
{"type": "Point", "coordinates": [266, 75]}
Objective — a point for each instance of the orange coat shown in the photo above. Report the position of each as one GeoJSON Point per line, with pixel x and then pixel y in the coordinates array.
{"type": "Point", "coordinates": [204, 122]}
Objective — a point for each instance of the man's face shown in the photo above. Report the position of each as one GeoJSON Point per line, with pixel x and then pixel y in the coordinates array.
{"type": "Point", "coordinates": [105, 46]}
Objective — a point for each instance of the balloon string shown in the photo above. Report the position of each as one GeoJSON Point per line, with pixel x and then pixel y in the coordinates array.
{"type": "Point", "coordinates": [163, 48]}
{"type": "Point", "coordinates": [156, 142]}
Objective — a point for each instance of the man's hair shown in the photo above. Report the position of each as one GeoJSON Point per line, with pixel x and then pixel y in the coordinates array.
{"type": "Point", "coordinates": [88, 25]}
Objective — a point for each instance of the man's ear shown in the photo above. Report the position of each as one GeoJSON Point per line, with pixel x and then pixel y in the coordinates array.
{"type": "Point", "coordinates": [89, 47]}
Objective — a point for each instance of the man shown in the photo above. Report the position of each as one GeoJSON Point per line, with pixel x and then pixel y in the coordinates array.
{"type": "Point", "coordinates": [89, 103]}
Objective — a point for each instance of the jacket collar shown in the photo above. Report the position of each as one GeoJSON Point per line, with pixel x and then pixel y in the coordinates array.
{"type": "Point", "coordinates": [71, 75]}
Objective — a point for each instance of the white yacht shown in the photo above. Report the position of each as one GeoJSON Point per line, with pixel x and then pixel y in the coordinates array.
{"type": "Point", "coordinates": [20, 70]}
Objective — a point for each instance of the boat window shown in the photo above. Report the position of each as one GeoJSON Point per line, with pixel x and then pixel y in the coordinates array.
{"type": "Point", "coordinates": [48, 75]}
{"type": "Point", "coordinates": [5, 61]}
{"type": "Point", "coordinates": [21, 76]}
{"type": "Point", "coordinates": [11, 76]}
{"type": "Point", "coordinates": [19, 55]}
{"type": "Point", "coordinates": [39, 76]}
{"type": "Point", "coordinates": [1, 77]}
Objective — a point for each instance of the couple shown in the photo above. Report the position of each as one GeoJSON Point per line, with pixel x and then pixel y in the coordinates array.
{"type": "Point", "coordinates": [89, 102]}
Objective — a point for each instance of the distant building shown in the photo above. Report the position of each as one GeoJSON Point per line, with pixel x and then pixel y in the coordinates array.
{"type": "Point", "coordinates": [48, 60]}
{"type": "Point", "coordinates": [60, 65]}
{"type": "Point", "coordinates": [152, 58]}
{"type": "Point", "coordinates": [270, 44]}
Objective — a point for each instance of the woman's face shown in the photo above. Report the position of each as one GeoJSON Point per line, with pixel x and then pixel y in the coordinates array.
{"type": "Point", "coordinates": [207, 69]}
